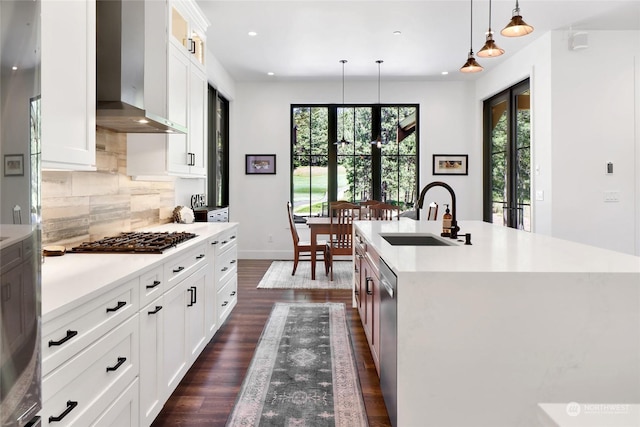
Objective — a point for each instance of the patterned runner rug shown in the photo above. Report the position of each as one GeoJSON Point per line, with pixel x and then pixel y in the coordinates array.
{"type": "Point", "coordinates": [278, 276]}
{"type": "Point", "coordinates": [303, 371]}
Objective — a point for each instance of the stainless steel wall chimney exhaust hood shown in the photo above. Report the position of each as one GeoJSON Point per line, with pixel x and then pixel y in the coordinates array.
{"type": "Point", "coordinates": [120, 68]}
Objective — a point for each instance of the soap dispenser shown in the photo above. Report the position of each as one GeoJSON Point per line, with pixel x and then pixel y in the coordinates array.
{"type": "Point", "coordinates": [446, 223]}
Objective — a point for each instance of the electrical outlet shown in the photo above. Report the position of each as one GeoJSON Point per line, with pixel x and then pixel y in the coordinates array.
{"type": "Point", "coordinates": [611, 196]}
{"type": "Point", "coordinates": [270, 238]}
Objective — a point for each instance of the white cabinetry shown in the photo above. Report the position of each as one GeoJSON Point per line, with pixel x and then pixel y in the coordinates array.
{"type": "Point", "coordinates": [90, 357]}
{"type": "Point", "coordinates": [68, 95]}
{"type": "Point", "coordinates": [183, 155]}
{"type": "Point", "coordinates": [115, 359]}
{"type": "Point", "coordinates": [226, 269]}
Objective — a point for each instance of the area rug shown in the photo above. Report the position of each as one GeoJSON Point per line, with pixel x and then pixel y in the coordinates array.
{"type": "Point", "coordinates": [303, 371]}
{"type": "Point", "coordinates": [278, 276]}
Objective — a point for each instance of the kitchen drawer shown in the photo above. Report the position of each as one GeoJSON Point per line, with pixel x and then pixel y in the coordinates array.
{"type": "Point", "coordinates": [68, 334]}
{"type": "Point", "coordinates": [11, 256]}
{"type": "Point", "coordinates": [84, 387]}
{"type": "Point", "coordinates": [124, 411]}
{"type": "Point", "coordinates": [225, 240]}
{"type": "Point", "coordinates": [227, 298]}
{"type": "Point", "coordinates": [182, 266]}
{"type": "Point", "coordinates": [151, 285]}
{"type": "Point", "coordinates": [226, 265]}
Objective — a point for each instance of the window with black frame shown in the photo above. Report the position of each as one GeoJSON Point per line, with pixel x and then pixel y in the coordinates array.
{"type": "Point", "coordinates": [353, 153]}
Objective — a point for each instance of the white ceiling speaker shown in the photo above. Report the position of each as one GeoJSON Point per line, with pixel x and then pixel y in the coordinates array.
{"type": "Point", "coordinates": [579, 40]}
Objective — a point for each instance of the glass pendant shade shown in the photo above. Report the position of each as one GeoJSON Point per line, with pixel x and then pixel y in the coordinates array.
{"type": "Point", "coordinates": [381, 139]}
{"type": "Point", "coordinates": [516, 27]}
{"type": "Point", "coordinates": [490, 48]}
{"type": "Point", "coordinates": [471, 66]}
{"type": "Point", "coordinates": [342, 142]}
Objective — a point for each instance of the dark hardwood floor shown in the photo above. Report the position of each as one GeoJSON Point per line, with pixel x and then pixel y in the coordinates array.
{"type": "Point", "coordinates": [206, 395]}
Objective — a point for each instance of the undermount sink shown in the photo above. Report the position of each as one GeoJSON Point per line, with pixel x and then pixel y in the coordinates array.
{"type": "Point", "coordinates": [425, 239]}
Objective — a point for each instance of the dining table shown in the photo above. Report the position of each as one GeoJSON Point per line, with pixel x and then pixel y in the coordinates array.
{"type": "Point", "coordinates": [320, 225]}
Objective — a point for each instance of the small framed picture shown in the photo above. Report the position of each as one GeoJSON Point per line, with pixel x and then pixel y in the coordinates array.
{"type": "Point", "coordinates": [13, 165]}
{"type": "Point", "coordinates": [450, 164]}
{"type": "Point", "coordinates": [262, 164]}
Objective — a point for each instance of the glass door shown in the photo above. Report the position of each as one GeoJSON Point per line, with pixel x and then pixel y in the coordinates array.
{"type": "Point", "coordinates": [507, 180]}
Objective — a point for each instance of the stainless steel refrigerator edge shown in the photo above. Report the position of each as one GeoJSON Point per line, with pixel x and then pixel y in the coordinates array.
{"type": "Point", "coordinates": [20, 236]}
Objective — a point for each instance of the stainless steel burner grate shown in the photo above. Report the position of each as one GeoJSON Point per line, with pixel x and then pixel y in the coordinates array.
{"type": "Point", "coordinates": [135, 242]}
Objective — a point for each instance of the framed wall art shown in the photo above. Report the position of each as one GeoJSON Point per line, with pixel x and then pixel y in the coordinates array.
{"type": "Point", "coordinates": [260, 164]}
{"type": "Point", "coordinates": [450, 164]}
{"type": "Point", "coordinates": [13, 165]}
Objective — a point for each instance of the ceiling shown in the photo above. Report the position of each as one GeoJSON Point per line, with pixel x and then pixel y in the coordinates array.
{"type": "Point", "coordinates": [306, 39]}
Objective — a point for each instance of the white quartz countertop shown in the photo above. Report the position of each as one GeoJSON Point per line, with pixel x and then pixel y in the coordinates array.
{"type": "Point", "coordinates": [77, 277]}
{"type": "Point", "coordinates": [10, 234]}
{"type": "Point", "coordinates": [493, 249]}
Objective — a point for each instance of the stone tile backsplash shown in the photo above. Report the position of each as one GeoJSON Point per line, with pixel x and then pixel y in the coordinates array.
{"type": "Point", "coordinates": [85, 206]}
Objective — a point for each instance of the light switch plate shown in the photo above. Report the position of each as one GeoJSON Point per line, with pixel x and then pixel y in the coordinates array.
{"type": "Point", "coordinates": [611, 196]}
{"type": "Point", "coordinates": [539, 194]}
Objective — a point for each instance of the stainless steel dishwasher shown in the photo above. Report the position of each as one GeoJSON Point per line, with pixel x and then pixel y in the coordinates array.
{"type": "Point", "coordinates": [389, 340]}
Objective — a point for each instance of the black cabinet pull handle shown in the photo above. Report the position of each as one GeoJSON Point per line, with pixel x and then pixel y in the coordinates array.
{"type": "Point", "coordinates": [224, 269]}
{"type": "Point", "coordinates": [225, 303]}
{"type": "Point", "coordinates": [158, 308]}
{"type": "Point", "coordinates": [225, 241]}
{"type": "Point", "coordinates": [369, 292]}
{"type": "Point", "coordinates": [178, 270]}
{"type": "Point", "coordinates": [233, 237]}
{"type": "Point", "coordinates": [200, 256]}
{"type": "Point", "coordinates": [233, 261]}
{"type": "Point", "coordinates": [155, 283]}
{"type": "Point", "coordinates": [232, 293]}
{"type": "Point", "coordinates": [117, 307]}
{"type": "Point", "coordinates": [190, 290]}
{"type": "Point", "coordinates": [70, 334]}
{"type": "Point", "coordinates": [70, 406]}
{"type": "Point", "coordinates": [115, 367]}
{"type": "Point", "coordinates": [215, 242]}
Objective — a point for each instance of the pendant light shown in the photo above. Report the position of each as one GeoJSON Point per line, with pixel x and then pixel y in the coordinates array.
{"type": "Point", "coordinates": [516, 27]}
{"type": "Point", "coordinates": [342, 141]}
{"type": "Point", "coordinates": [382, 136]}
{"type": "Point", "coordinates": [490, 48]}
{"type": "Point", "coordinates": [471, 66]}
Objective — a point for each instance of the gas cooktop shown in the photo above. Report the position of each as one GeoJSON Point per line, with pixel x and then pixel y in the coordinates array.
{"type": "Point", "coordinates": [135, 242]}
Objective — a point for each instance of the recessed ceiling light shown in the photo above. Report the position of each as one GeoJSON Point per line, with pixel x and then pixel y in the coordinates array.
{"type": "Point", "coordinates": [143, 121]}
{"type": "Point", "coordinates": [252, 33]}
{"type": "Point", "coordinates": [444, 73]}
{"type": "Point", "coordinates": [271, 73]}
{"type": "Point", "coordinates": [397, 33]}
{"type": "Point", "coordinates": [14, 68]}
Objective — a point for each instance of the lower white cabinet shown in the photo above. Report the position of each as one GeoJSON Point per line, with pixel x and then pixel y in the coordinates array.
{"type": "Point", "coordinates": [123, 412]}
{"type": "Point", "coordinates": [184, 327]}
{"type": "Point", "coordinates": [82, 388]}
{"type": "Point", "coordinates": [152, 392]}
{"type": "Point", "coordinates": [115, 360]}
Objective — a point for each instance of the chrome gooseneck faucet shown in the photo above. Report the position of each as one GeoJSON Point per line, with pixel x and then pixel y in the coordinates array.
{"type": "Point", "coordinates": [454, 224]}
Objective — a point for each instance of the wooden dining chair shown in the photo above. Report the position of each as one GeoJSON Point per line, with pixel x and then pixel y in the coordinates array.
{"type": "Point", "coordinates": [366, 206]}
{"type": "Point", "coordinates": [384, 212]}
{"type": "Point", "coordinates": [342, 215]}
{"type": "Point", "coordinates": [303, 248]}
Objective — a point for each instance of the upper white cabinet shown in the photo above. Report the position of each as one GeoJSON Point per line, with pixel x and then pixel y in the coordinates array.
{"type": "Point", "coordinates": [68, 96]}
{"type": "Point", "coordinates": [188, 27]}
{"type": "Point", "coordinates": [183, 155]}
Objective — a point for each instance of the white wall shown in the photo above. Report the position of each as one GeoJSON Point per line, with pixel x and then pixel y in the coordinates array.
{"type": "Point", "coordinates": [583, 116]}
{"type": "Point", "coordinates": [594, 122]}
{"type": "Point", "coordinates": [260, 124]}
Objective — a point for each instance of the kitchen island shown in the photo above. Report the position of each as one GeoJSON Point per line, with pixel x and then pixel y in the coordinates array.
{"type": "Point", "coordinates": [487, 331]}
